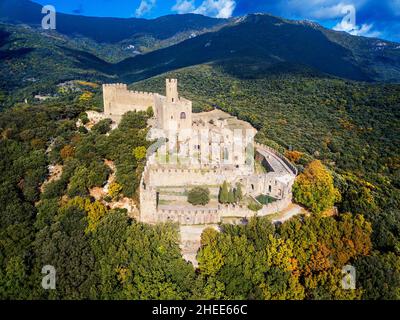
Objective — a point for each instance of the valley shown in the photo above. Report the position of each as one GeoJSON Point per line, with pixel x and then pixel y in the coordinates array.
{"type": "Point", "coordinates": [70, 180]}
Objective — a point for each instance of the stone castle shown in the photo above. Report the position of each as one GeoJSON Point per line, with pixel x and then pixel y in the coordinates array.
{"type": "Point", "coordinates": [200, 149]}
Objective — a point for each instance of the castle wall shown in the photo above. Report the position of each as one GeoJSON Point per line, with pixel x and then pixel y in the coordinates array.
{"type": "Point", "coordinates": [171, 86]}
{"type": "Point", "coordinates": [267, 184]}
{"type": "Point", "coordinates": [118, 100]}
{"type": "Point", "coordinates": [203, 216]}
{"type": "Point", "coordinates": [181, 177]}
{"type": "Point", "coordinates": [173, 115]}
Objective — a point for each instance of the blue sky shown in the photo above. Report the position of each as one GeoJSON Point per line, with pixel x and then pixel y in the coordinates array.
{"type": "Point", "coordinates": [373, 18]}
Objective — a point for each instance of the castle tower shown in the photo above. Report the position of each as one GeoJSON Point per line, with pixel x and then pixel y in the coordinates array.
{"type": "Point", "coordinates": [172, 90]}
{"type": "Point", "coordinates": [173, 113]}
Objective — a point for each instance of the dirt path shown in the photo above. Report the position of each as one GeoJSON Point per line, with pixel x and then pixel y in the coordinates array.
{"type": "Point", "coordinates": [288, 213]}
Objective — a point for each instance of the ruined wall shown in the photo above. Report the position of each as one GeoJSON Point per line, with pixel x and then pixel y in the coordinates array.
{"type": "Point", "coordinates": [267, 184]}
{"type": "Point", "coordinates": [286, 162]}
{"type": "Point", "coordinates": [190, 217]}
{"type": "Point", "coordinates": [148, 201]}
{"type": "Point", "coordinates": [181, 177]}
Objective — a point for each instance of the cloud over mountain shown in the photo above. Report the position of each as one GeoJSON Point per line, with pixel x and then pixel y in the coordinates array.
{"type": "Point", "coordinates": [212, 8]}
{"type": "Point", "coordinates": [145, 7]}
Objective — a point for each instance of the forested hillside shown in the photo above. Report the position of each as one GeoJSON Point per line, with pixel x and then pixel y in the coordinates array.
{"type": "Point", "coordinates": [352, 127]}
{"type": "Point", "coordinates": [291, 83]}
{"type": "Point", "coordinates": [109, 30]}
{"type": "Point", "coordinates": [101, 253]}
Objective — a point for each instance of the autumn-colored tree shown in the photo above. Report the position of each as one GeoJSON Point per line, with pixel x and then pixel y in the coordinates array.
{"type": "Point", "coordinates": [210, 260]}
{"type": "Point", "coordinates": [114, 190]}
{"type": "Point", "coordinates": [293, 156]}
{"type": "Point", "coordinates": [38, 143]}
{"type": "Point", "coordinates": [282, 267]}
{"type": "Point", "coordinates": [314, 188]}
{"type": "Point", "coordinates": [139, 153]}
{"type": "Point", "coordinates": [86, 96]}
{"type": "Point", "coordinates": [209, 236]}
{"type": "Point", "coordinates": [67, 152]}
{"type": "Point", "coordinates": [94, 210]}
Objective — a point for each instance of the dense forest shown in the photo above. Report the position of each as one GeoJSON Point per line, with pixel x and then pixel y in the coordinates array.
{"type": "Point", "coordinates": [343, 135]}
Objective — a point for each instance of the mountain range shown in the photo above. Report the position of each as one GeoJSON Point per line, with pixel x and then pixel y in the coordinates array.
{"type": "Point", "coordinates": [129, 50]}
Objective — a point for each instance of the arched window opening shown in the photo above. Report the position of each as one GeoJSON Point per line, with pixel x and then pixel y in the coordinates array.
{"type": "Point", "coordinates": [226, 154]}
{"type": "Point", "coordinates": [183, 115]}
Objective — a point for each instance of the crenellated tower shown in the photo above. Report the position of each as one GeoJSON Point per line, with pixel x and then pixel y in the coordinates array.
{"type": "Point", "coordinates": [172, 90]}
{"type": "Point", "coordinates": [173, 113]}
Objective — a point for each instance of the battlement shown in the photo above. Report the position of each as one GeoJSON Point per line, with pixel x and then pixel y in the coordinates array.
{"type": "Point", "coordinates": [115, 85]}
{"type": "Point", "coordinates": [124, 87]}
{"type": "Point", "coordinates": [141, 93]}
{"type": "Point", "coordinates": [118, 99]}
{"type": "Point", "coordinates": [172, 90]}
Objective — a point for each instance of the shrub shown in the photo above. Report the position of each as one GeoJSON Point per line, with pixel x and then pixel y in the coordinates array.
{"type": "Point", "coordinates": [254, 206]}
{"type": "Point", "coordinates": [84, 118]}
{"type": "Point", "coordinates": [67, 152]}
{"type": "Point", "coordinates": [114, 190]}
{"type": "Point", "coordinates": [139, 153]}
{"type": "Point", "coordinates": [102, 126]}
{"type": "Point", "coordinates": [293, 156]}
{"type": "Point", "coordinates": [199, 196]}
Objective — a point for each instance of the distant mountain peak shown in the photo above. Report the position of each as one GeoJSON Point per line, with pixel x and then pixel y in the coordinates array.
{"type": "Point", "coordinates": [309, 23]}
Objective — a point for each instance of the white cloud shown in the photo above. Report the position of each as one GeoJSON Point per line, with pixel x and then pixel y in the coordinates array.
{"type": "Point", "coordinates": [320, 9]}
{"type": "Point", "coordinates": [363, 30]}
{"type": "Point", "coordinates": [331, 11]}
{"type": "Point", "coordinates": [145, 7]}
{"type": "Point", "coordinates": [184, 6]}
{"type": "Point", "coordinates": [348, 23]}
{"type": "Point", "coordinates": [217, 8]}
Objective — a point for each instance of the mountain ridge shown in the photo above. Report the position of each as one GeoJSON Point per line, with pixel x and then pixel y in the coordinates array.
{"type": "Point", "coordinates": [251, 46]}
{"type": "Point", "coordinates": [273, 41]}
{"type": "Point", "coordinates": [109, 30]}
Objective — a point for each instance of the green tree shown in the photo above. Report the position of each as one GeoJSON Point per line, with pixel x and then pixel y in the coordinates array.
{"type": "Point", "coordinates": [238, 193]}
{"type": "Point", "coordinates": [379, 276]}
{"type": "Point", "coordinates": [199, 196]}
{"type": "Point", "coordinates": [66, 246]}
{"type": "Point", "coordinates": [103, 126]}
{"type": "Point", "coordinates": [224, 193]}
{"type": "Point", "coordinates": [231, 196]}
